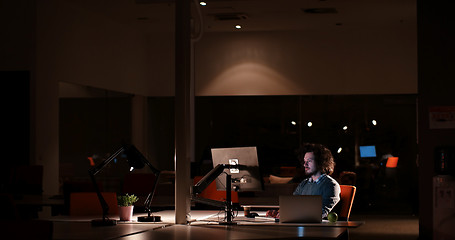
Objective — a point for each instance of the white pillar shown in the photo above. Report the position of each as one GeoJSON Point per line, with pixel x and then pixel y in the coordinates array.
{"type": "Point", "coordinates": [183, 116]}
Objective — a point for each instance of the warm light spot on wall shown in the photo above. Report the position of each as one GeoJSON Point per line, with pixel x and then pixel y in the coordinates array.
{"type": "Point", "coordinates": [249, 79]}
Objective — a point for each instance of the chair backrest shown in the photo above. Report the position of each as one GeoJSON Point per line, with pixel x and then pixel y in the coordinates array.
{"type": "Point", "coordinates": [346, 199]}
{"type": "Point", "coordinates": [392, 162]}
{"type": "Point", "coordinates": [347, 178]}
{"type": "Point", "coordinates": [88, 204]}
{"type": "Point", "coordinates": [211, 193]}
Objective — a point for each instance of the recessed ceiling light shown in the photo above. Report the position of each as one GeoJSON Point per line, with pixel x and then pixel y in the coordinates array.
{"type": "Point", "coordinates": [238, 26]}
{"type": "Point", "coordinates": [202, 3]}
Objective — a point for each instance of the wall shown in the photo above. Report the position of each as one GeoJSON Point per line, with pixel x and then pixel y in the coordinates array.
{"type": "Point", "coordinates": [436, 63]}
{"type": "Point", "coordinates": [78, 45]}
{"type": "Point", "coordinates": [345, 61]}
{"type": "Point", "coordinates": [105, 53]}
{"type": "Point", "coordinates": [18, 40]}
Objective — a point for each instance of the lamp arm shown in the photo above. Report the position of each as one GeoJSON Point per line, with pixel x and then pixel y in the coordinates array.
{"type": "Point", "coordinates": [103, 202]}
{"type": "Point", "coordinates": [97, 169]}
{"type": "Point", "coordinates": [154, 170]}
{"type": "Point", "coordinates": [208, 178]}
{"type": "Point", "coordinates": [210, 202]}
{"type": "Point", "coordinates": [148, 200]}
{"type": "Point", "coordinates": [204, 183]}
{"type": "Point", "coordinates": [93, 171]}
{"type": "Point", "coordinates": [212, 175]}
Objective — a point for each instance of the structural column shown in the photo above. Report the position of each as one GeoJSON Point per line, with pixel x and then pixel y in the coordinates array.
{"type": "Point", "coordinates": [183, 116]}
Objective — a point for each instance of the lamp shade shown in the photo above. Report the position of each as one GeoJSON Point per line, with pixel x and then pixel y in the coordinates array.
{"type": "Point", "coordinates": [134, 157]}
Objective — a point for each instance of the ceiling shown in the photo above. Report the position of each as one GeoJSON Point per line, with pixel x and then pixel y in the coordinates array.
{"type": "Point", "coordinates": [260, 15]}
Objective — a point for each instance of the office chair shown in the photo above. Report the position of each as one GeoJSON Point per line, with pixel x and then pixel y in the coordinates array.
{"type": "Point", "coordinates": [346, 199]}
{"type": "Point", "coordinates": [88, 204]}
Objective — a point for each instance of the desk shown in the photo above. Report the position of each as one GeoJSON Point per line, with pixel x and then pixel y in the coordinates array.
{"type": "Point", "coordinates": [219, 232]}
{"type": "Point", "coordinates": [39, 200]}
{"type": "Point", "coordinates": [84, 230]}
{"type": "Point", "coordinates": [203, 225]}
{"type": "Point", "coordinates": [267, 221]}
{"type": "Point", "coordinates": [44, 205]}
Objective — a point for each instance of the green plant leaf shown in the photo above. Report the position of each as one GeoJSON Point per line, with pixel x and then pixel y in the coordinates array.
{"type": "Point", "coordinates": [127, 200]}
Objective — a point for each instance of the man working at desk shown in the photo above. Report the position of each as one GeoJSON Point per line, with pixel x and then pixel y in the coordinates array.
{"type": "Point", "coordinates": [319, 164]}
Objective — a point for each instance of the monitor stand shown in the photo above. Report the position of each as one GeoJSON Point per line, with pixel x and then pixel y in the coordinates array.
{"type": "Point", "coordinates": [229, 207]}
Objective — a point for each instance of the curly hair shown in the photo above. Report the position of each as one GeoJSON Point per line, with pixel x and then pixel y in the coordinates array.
{"type": "Point", "coordinates": [323, 157]}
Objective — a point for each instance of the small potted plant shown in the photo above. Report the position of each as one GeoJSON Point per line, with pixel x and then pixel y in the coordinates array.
{"type": "Point", "coordinates": [126, 205]}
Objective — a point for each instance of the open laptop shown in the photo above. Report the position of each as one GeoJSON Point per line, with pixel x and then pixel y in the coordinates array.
{"type": "Point", "coordinates": [300, 209]}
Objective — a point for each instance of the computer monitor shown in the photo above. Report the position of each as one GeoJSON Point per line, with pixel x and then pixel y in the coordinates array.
{"type": "Point", "coordinates": [245, 178]}
{"type": "Point", "coordinates": [367, 151]}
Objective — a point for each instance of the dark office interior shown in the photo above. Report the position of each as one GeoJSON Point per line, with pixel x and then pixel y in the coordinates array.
{"type": "Point", "coordinates": [64, 107]}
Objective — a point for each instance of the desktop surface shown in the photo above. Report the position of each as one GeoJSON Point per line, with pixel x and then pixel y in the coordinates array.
{"type": "Point", "coordinates": [204, 224]}
{"type": "Point", "coordinates": [219, 232]}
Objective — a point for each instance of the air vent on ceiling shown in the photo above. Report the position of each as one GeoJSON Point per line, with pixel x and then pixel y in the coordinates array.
{"type": "Point", "coordinates": [319, 10]}
{"type": "Point", "coordinates": [230, 16]}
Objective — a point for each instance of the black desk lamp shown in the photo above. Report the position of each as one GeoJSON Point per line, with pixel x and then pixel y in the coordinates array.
{"type": "Point", "coordinates": [205, 182]}
{"type": "Point", "coordinates": [135, 160]}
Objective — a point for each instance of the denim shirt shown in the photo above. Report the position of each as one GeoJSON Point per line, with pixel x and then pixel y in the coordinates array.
{"type": "Point", "coordinates": [325, 186]}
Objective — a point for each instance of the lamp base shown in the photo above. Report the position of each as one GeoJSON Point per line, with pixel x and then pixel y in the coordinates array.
{"type": "Point", "coordinates": [103, 222]}
{"type": "Point", "coordinates": [149, 219]}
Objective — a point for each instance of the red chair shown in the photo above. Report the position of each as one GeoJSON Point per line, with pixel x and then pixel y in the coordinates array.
{"type": "Point", "coordinates": [392, 162]}
{"type": "Point", "coordinates": [88, 204]}
{"type": "Point", "coordinates": [346, 199]}
{"type": "Point", "coordinates": [211, 193]}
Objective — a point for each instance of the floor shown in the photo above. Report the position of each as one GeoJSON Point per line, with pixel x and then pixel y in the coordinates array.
{"type": "Point", "coordinates": [388, 227]}
{"type": "Point", "coordinates": [388, 219]}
